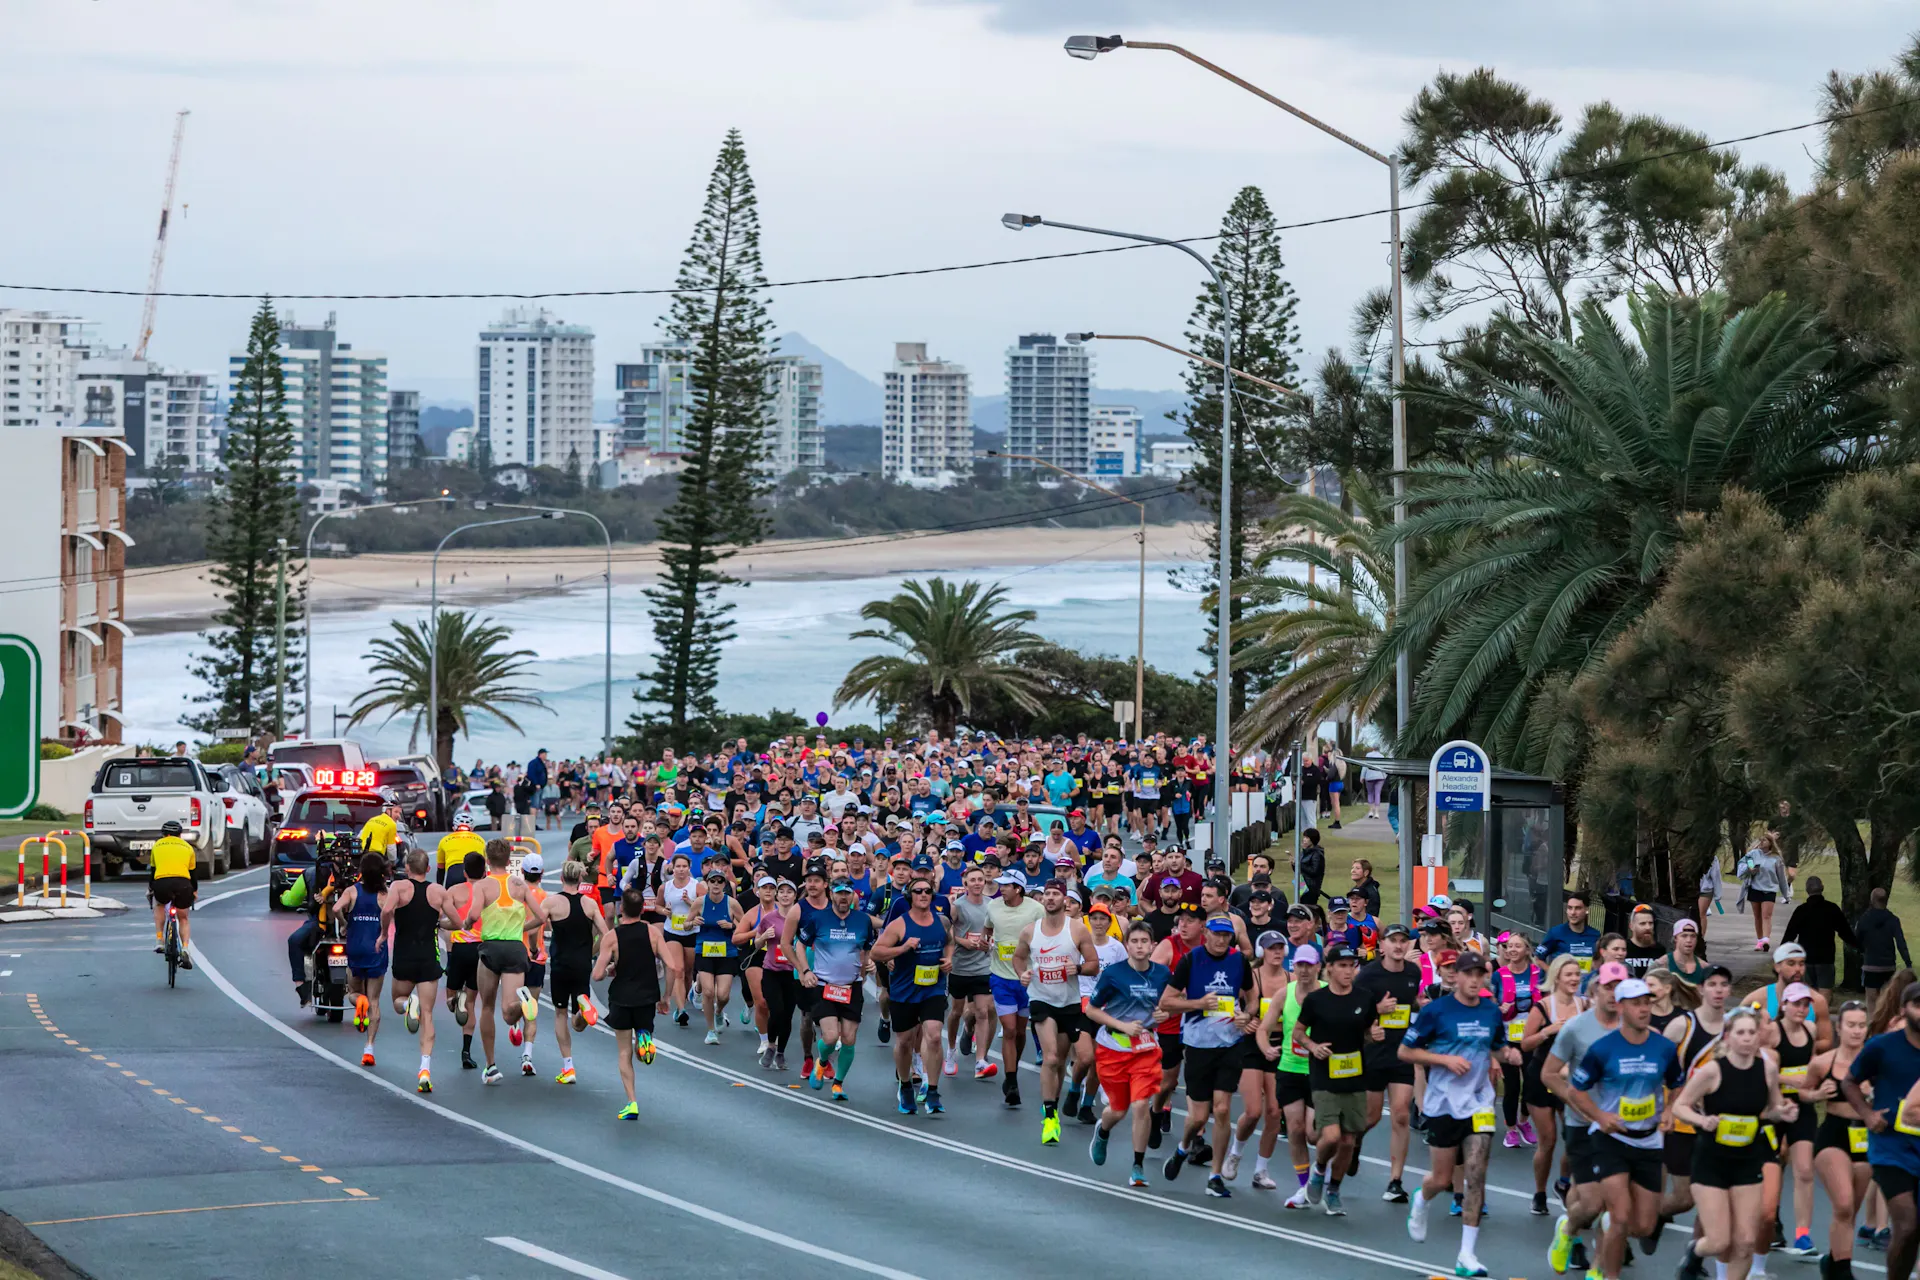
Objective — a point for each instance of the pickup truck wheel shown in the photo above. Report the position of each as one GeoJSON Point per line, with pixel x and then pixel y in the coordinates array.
{"type": "Point", "coordinates": [110, 868]}
{"type": "Point", "coordinates": [237, 857]}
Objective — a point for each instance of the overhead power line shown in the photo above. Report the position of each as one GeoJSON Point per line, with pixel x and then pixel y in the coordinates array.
{"type": "Point", "coordinates": [903, 273]}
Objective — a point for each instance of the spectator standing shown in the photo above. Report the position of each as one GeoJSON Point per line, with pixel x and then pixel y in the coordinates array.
{"type": "Point", "coordinates": [537, 774]}
{"type": "Point", "coordinates": [1765, 879]}
{"type": "Point", "coordinates": [1374, 780]}
{"type": "Point", "coordinates": [1816, 924]}
{"type": "Point", "coordinates": [496, 805]}
{"type": "Point", "coordinates": [1313, 866]}
{"type": "Point", "coordinates": [1880, 935]}
{"type": "Point", "coordinates": [524, 794]}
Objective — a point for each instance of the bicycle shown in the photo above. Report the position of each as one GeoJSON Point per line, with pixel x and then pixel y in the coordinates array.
{"type": "Point", "coordinates": [170, 942]}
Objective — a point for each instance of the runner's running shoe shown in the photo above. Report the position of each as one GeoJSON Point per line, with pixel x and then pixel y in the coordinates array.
{"type": "Point", "coordinates": [1217, 1188]}
{"type": "Point", "coordinates": [839, 1092]}
{"type": "Point", "coordinates": [643, 1048]}
{"type": "Point", "coordinates": [526, 1066]}
{"type": "Point", "coordinates": [1137, 1177]}
{"type": "Point", "coordinates": [1263, 1181]}
{"type": "Point", "coordinates": [1050, 1131]}
{"type": "Point", "coordinates": [460, 1008]}
{"type": "Point", "coordinates": [630, 1112]}
{"type": "Point", "coordinates": [1560, 1252]}
{"type": "Point", "coordinates": [491, 1075]}
{"type": "Point", "coordinates": [366, 1059]}
{"type": "Point", "coordinates": [984, 1070]}
{"type": "Point", "coordinates": [360, 1018]}
{"type": "Point", "coordinates": [934, 1105]}
{"type": "Point", "coordinates": [529, 1006]}
{"type": "Point", "coordinates": [565, 1077]}
{"type": "Point", "coordinates": [413, 1012]}
{"type": "Point", "coordinates": [425, 1082]}
{"type": "Point", "coordinates": [1097, 1149]}
{"type": "Point", "coordinates": [1334, 1209]}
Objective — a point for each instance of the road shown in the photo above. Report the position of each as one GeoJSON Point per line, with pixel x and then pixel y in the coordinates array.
{"type": "Point", "coordinates": [216, 1129]}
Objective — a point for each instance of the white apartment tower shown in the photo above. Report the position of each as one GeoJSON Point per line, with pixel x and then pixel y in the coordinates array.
{"type": "Point", "coordinates": [1049, 387]}
{"type": "Point", "coordinates": [336, 400]}
{"type": "Point", "coordinates": [40, 355]}
{"type": "Point", "coordinates": [927, 432]}
{"type": "Point", "coordinates": [795, 439]}
{"type": "Point", "coordinates": [1115, 440]}
{"type": "Point", "coordinates": [536, 392]}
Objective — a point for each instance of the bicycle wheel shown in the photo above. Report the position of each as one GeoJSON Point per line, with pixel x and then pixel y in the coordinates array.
{"type": "Point", "coordinates": [173, 946]}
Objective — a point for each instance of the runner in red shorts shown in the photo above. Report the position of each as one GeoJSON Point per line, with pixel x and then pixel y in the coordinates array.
{"type": "Point", "coordinates": [1124, 1006]}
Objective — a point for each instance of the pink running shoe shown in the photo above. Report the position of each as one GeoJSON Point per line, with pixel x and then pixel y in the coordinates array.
{"type": "Point", "coordinates": [1512, 1139]}
{"type": "Point", "coordinates": [1527, 1135]}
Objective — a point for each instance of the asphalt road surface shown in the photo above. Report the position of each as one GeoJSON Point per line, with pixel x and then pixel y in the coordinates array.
{"type": "Point", "coordinates": [218, 1130]}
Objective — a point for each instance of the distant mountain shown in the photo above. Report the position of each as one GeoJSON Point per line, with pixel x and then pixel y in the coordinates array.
{"type": "Point", "coordinates": [436, 421]}
{"type": "Point", "coordinates": [847, 397]}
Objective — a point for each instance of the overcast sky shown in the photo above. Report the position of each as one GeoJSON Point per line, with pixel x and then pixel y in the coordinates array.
{"type": "Point", "coordinates": [462, 145]}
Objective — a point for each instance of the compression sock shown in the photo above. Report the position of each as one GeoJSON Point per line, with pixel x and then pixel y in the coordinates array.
{"type": "Point", "coordinates": [466, 1045]}
{"type": "Point", "coordinates": [1300, 1172]}
{"type": "Point", "coordinates": [820, 1052]}
{"type": "Point", "coordinates": [845, 1064]}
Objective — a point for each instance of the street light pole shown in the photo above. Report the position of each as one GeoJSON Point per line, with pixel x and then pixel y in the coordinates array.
{"type": "Point", "coordinates": [306, 721]}
{"type": "Point", "coordinates": [1223, 669]}
{"type": "Point", "coordinates": [1087, 48]}
{"type": "Point", "coordinates": [606, 678]}
{"type": "Point", "coordinates": [433, 634]}
{"type": "Point", "coordinates": [1140, 640]}
{"type": "Point", "coordinates": [280, 644]}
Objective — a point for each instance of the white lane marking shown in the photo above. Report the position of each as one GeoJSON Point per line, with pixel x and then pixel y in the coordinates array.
{"type": "Point", "coordinates": [566, 1162]}
{"type": "Point", "coordinates": [6, 973]}
{"type": "Point", "coordinates": [232, 893]}
{"type": "Point", "coordinates": [988, 1156]}
{"type": "Point", "coordinates": [552, 1259]}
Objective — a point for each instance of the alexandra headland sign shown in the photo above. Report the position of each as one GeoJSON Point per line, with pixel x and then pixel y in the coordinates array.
{"type": "Point", "coordinates": [1460, 778]}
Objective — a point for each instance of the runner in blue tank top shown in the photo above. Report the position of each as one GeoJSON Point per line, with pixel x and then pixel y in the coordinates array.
{"type": "Point", "coordinates": [362, 908]}
{"type": "Point", "coordinates": [716, 958]}
{"type": "Point", "coordinates": [1211, 990]}
{"type": "Point", "coordinates": [918, 948]}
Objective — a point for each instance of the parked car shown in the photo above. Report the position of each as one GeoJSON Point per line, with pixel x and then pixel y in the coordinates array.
{"type": "Point", "coordinates": [245, 801]}
{"type": "Point", "coordinates": [133, 796]}
{"type": "Point", "coordinates": [319, 810]}
{"type": "Point", "coordinates": [324, 753]}
{"type": "Point", "coordinates": [282, 782]}
{"type": "Point", "coordinates": [421, 801]}
{"type": "Point", "coordinates": [472, 805]}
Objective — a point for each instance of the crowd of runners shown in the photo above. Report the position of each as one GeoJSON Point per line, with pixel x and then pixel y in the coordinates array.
{"type": "Point", "coordinates": [1008, 910]}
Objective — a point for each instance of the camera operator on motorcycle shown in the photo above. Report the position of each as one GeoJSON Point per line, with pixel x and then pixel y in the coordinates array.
{"type": "Point", "coordinates": [316, 889]}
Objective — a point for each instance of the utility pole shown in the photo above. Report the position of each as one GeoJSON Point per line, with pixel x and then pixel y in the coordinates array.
{"type": "Point", "coordinates": [280, 646]}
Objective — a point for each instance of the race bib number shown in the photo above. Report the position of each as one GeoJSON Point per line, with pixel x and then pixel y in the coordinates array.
{"type": "Point", "coordinates": [1483, 1121]}
{"type": "Point", "coordinates": [1737, 1131]}
{"type": "Point", "coordinates": [1902, 1123]}
{"type": "Point", "coordinates": [1007, 949]}
{"type": "Point", "coordinates": [1793, 1079]}
{"type": "Point", "coordinates": [1222, 1009]}
{"type": "Point", "coordinates": [713, 949]}
{"type": "Point", "coordinates": [1266, 1002]}
{"type": "Point", "coordinates": [925, 975]}
{"type": "Point", "coordinates": [1516, 1028]}
{"type": "Point", "coordinates": [1343, 1066]}
{"type": "Point", "coordinates": [1053, 972]}
{"type": "Point", "coordinates": [1586, 964]}
{"type": "Point", "coordinates": [1398, 1019]}
{"type": "Point", "coordinates": [1637, 1110]}
{"type": "Point", "coordinates": [1857, 1139]}
{"type": "Point", "coordinates": [842, 994]}
{"type": "Point", "coordinates": [1121, 1039]}
{"type": "Point", "coordinates": [679, 923]}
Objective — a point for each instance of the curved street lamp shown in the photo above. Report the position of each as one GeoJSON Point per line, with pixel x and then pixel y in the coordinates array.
{"type": "Point", "coordinates": [1223, 762]}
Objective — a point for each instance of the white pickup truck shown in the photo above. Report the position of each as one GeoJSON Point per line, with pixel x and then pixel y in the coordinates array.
{"type": "Point", "coordinates": [131, 799]}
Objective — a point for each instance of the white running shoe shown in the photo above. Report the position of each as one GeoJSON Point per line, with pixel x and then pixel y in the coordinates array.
{"type": "Point", "coordinates": [1263, 1181]}
{"type": "Point", "coordinates": [1298, 1200]}
{"type": "Point", "coordinates": [1417, 1219]}
{"type": "Point", "coordinates": [1230, 1167]}
{"type": "Point", "coordinates": [950, 1068]}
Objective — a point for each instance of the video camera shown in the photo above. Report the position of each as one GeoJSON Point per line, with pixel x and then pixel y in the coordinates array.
{"type": "Point", "coordinates": [340, 849]}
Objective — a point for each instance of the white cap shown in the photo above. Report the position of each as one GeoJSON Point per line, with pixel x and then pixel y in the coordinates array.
{"type": "Point", "coordinates": [1789, 951]}
{"type": "Point", "coordinates": [1631, 988]}
{"type": "Point", "coordinates": [532, 866]}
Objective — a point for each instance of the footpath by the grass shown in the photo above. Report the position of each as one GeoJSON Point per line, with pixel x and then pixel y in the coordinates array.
{"type": "Point", "coordinates": [25, 1256]}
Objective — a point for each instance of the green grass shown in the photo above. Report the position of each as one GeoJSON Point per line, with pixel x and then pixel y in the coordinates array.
{"type": "Point", "coordinates": [14, 830]}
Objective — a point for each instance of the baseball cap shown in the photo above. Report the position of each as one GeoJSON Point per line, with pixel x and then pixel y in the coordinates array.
{"type": "Point", "coordinates": [955, 844]}
{"type": "Point", "coordinates": [1219, 924]}
{"type": "Point", "coordinates": [1170, 880]}
{"type": "Point", "coordinates": [936, 819]}
{"type": "Point", "coordinates": [921, 862]}
{"type": "Point", "coordinates": [1469, 959]}
{"type": "Point", "coordinates": [1396, 930]}
{"type": "Point", "coordinates": [1612, 971]}
{"type": "Point", "coordinates": [1794, 991]}
{"type": "Point", "coordinates": [531, 865]}
{"type": "Point", "coordinates": [815, 867]}
{"type": "Point", "coordinates": [1011, 877]}
{"type": "Point", "coordinates": [1055, 882]}
{"type": "Point", "coordinates": [1260, 895]}
{"type": "Point", "coordinates": [1341, 951]}
{"type": "Point", "coordinates": [1789, 951]}
{"type": "Point", "coordinates": [764, 881]}
{"type": "Point", "coordinates": [1433, 926]}
{"type": "Point", "coordinates": [843, 886]}
{"type": "Point", "coordinates": [1632, 988]}
{"type": "Point", "coordinates": [1685, 926]}
{"type": "Point", "coordinates": [1439, 902]}
{"type": "Point", "coordinates": [1299, 912]}
{"type": "Point", "coordinates": [1064, 859]}
{"type": "Point", "coordinates": [1305, 954]}
{"type": "Point", "coordinates": [1337, 904]}
{"type": "Point", "coordinates": [1271, 938]}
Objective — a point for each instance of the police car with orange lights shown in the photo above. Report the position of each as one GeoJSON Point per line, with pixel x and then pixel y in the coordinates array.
{"type": "Point", "coordinates": [341, 801]}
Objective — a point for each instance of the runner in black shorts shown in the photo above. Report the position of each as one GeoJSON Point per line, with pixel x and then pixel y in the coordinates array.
{"type": "Point", "coordinates": [628, 953]}
{"type": "Point", "coordinates": [1728, 1100]}
{"type": "Point", "coordinates": [1389, 1080]}
{"type": "Point", "coordinates": [576, 925]}
{"type": "Point", "coordinates": [1840, 1144]}
{"type": "Point", "coordinates": [415, 903]}
{"type": "Point", "coordinates": [463, 953]}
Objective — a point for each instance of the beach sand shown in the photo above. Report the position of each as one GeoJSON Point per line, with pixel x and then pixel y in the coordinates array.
{"type": "Point", "coordinates": [180, 597]}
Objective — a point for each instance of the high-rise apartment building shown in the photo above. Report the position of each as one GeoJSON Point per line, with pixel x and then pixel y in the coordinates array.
{"type": "Point", "coordinates": [40, 356]}
{"type": "Point", "coordinates": [536, 392]}
{"type": "Point", "coordinates": [1115, 439]}
{"type": "Point", "coordinates": [336, 399]}
{"type": "Point", "coordinates": [655, 397]}
{"type": "Point", "coordinates": [795, 439]}
{"type": "Point", "coordinates": [1049, 411]}
{"type": "Point", "coordinates": [403, 429]}
{"type": "Point", "coordinates": [927, 428]}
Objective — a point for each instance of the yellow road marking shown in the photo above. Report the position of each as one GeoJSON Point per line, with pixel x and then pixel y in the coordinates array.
{"type": "Point", "coordinates": [355, 1191]}
{"type": "Point", "coordinates": [329, 1179]}
{"type": "Point", "coordinates": [357, 1198]}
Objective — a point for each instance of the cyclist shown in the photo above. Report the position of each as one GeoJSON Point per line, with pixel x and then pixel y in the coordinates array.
{"type": "Point", "coordinates": [381, 832]}
{"type": "Point", "coordinates": [454, 848]}
{"type": "Point", "coordinates": [171, 885]}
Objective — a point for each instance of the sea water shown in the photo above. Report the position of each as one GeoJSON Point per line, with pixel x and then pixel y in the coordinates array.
{"type": "Point", "coordinates": [791, 649]}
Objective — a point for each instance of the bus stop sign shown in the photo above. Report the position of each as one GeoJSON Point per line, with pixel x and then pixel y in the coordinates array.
{"type": "Point", "coordinates": [19, 725]}
{"type": "Point", "coordinates": [1460, 779]}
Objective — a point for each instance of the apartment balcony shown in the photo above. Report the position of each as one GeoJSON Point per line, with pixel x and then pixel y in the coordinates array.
{"type": "Point", "coordinates": [83, 602]}
{"type": "Point", "coordinates": [86, 507]}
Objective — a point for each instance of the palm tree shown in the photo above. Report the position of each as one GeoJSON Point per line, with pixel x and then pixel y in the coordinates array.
{"type": "Point", "coordinates": [954, 648]}
{"type": "Point", "coordinates": [1538, 560]}
{"type": "Point", "coordinates": [1326, 630]}
{"type": "Point", "coordinates": [477, 674]}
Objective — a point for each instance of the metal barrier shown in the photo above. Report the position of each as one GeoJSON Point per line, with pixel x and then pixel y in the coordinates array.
{"type": "Point", "coordinates": [46, 869]}
{"type": "Point", "coordinates": [522, 845]}
{"type": "Point", "coordinates": [86, 861]}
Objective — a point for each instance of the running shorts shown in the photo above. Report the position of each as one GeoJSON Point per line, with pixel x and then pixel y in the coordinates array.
{"type": "Point", "coordinates": [504, 955]}
{"type": "Point", "coordinates": [172, 891]}
{"type": "Point", "coordinates": [463, 966]}
{"type": "Point", "coordinates": [1173, 1050]}
{"type": "Point", "coordinates": [905, 1015]}
{"type": "Point", "coordinates": [1386, 1069]}
{"type": "Point", "coordinates": [819, 1008]}
{"type": "Point", "coordinates": [1894, 1181]}
{"type": "Point", "coordinates": [1127, 1076]}
{"type": "Point", "coordinates": [1724, 1167]}
{"type": "Point", "coordinates": [1213, 1070]}
{"type": "Point", "coordinates": [1805, 1126]}
{"type": "Point", "coordinates": [536, 975]}
{"type": "Point", "coordinates": [724, 966]}
{"type": "Point", "coordinates": [1144, 807]}
{"type": "Point", "coordinates": [1066, 1018]}
{"type": "Point", "coordinates": [1009, 995]}
{"type": "Point", "coordinates": [1835, 1133]}
{"type": "Point", "coordinates": [417, 969]}
{"type": "Point", "coordinates": [1676, 1152]}
{"type": "Point", "coordinates": [373, 966]}
{"type": "Point", "coordinates": [1579, 1151]}
{"type": "Point", "coordinates": [631, 1017]}
{"type": "Point", "coordinates": [1610, 1157]}
{"type": "Point", "coordinates": [570, 980]}
{"type": "Point", "coordinates": [1348, 1110]}
{"type": "Point", "coordinates": [1290, 1087]}
{"type": "Point", "coordinates": [967, 986]}
{"type": "Point", "coordinates": [1760, 895]}
{"type": "Point", "coordinates": [1446, 1133]}
{"type": "Point", "coordinates": [1534, 1091]}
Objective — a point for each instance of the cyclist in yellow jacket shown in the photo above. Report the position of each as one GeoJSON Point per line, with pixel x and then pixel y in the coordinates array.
{"type": "Point", "coordinates": [171, 884]}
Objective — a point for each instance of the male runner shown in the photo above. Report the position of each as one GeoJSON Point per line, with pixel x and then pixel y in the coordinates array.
{"type": "Point", "coordinates": [1695, 1034]}
{"type": "Point", "coordinates": [1790, 966]}
{"type": "Point", "coordinates": [463, 952]}
{"type": "Point", "coordinates": [1891, 1064]}
{"type": "Point", "coordinates": [1050, 956]}
{"type": "Point", "coordinates": [415, 905]}
{"type": "Point", "coordinates": [830, 961]}
{"type": "Point", "coordinates": [1584, 1200]}
{"type": "Point", "coordinates": [1007, 917]}
{"type": "Point", "coordinates": [1335, 1024]}
{"type": "Point", "coordinates": [918, 947]}
{"type": "Point", "coordinates": [1575, 938]}
{"type": "Point", "coordinates": [1455, 1037]}
{"type": "Point", "coordinates": [1619, 1087]}
{"type": "Point", "coordinates": [1124, 1000]}
{"type": "Point", "coordinates": [531, 869]}
{"type": "Point", "coordinates": [577, 927]}
{"type": "Point", "coordinates": [970, 985]}
{"type": "Point", "coordinates": [630, 952]}
{"type": "Point", "coordinates": [500, 906]}
{"type": "Point", "coordinates": [1389, 1080]}
{"type": "Point", "coordinates": [1211, 989]}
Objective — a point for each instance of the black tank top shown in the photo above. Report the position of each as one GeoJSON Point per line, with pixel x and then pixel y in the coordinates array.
{"type": "Point", "coordinates": [635, 980]}
{"type": "Point", "coordinates": [414, 925]}
{"type": "Point", "coordinates": [572, 941]}
{"type": "Point", "coordinates": [1792, 1056]}
{"type": "Point", "coordinates": [1742, 1090]}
